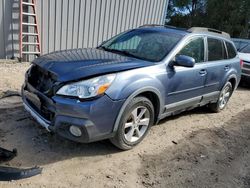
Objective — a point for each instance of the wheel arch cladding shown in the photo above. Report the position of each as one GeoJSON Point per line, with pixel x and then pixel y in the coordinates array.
{"type": "Point", "coordinates": [233, 81]}
{"type": "Point", "coordinates": [230, 77]}
{"type": "Point", "coordinates": [146, 92]}
{"type": "Point", "coordinates": [153, 97]}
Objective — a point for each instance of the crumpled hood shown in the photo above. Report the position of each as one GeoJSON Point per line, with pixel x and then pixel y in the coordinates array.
{"type": "Point", "coordinates": [82, 63]}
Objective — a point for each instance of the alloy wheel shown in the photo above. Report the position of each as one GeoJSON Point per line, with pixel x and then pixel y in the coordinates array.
{"type": "Point", "coordinates": [224, 97]}
{"type": "Point", "coordinates": [136, 124]}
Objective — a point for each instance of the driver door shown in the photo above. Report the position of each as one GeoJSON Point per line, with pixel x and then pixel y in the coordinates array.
{"type": "Point", "coordinates": [185, 85]}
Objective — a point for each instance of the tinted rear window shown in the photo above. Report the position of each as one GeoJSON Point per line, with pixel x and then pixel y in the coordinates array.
{"type": "Point", "coordinates": [231, 51]}
{"type": "Point", "coordinates": [216, 49]}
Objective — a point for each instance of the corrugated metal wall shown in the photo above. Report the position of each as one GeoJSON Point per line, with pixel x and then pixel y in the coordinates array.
{"type": "Point", "coordinates": [9, 28]}
{"type": "Point", "coordinates": [66, 24]}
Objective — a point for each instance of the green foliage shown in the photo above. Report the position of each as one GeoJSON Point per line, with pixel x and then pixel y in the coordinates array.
{"type": "Point", "coordinates": [232, 16]}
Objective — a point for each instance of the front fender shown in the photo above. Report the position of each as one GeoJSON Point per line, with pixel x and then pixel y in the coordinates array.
{"type": "Point", "coordinates": [135, 81]}
{"type": "Point", "coordinates": [130, 84]}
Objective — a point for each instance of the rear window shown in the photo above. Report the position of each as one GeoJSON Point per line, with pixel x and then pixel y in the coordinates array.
{"type": "Point", "coordinates": [230, 50]}
{"type": "Point", "coordinates": [216, 49]}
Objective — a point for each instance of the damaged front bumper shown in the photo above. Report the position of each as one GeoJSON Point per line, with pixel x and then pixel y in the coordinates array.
{"type": "Point", "coordinates": [37, 117]}
{"type": "Point", "coordinates": [10, 173]}
{"type": "Point", "coordinates": [93, 118]}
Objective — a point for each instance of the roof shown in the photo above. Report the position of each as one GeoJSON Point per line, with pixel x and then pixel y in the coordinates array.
{"type": "Point", "coordinates": [163, 28]}
{"type": "Point", "coordinates": [190, 30]}
{"type": "Point", "coordinates": [209, 31]}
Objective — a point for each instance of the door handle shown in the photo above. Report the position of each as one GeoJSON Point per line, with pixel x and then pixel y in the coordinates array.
{"type": "Point", "coordinates": [203, 72]}
{"type": "Point", "coordinates": [226, 68]}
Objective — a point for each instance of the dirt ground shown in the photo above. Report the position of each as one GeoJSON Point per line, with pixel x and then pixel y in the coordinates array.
{"type": "Point", "coordinates": [194, 149]}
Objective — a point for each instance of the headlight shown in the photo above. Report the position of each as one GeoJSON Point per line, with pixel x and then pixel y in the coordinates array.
{"type": "Point", "coordinates": [87, 88]}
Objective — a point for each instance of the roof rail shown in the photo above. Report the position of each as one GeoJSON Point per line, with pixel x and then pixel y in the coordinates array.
{"type": "Point", "coordinates": [151, 25]}
{"type": "Point", "coordinates": [166, 26]}
{"type": "Point", "coordinates": [204, 29]}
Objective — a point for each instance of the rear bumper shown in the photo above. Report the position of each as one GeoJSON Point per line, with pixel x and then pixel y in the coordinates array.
{"type": "Point", "coordinates": [95, 118]}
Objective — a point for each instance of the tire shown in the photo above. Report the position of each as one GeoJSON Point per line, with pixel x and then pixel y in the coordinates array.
{"type": "Point", "coordinates": [224, 97]}
{"type": "Point", "coordinates": [134, 124]}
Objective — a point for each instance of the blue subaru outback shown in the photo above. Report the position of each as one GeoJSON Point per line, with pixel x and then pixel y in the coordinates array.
{"type": "Point", "coordinates": [127, 84]}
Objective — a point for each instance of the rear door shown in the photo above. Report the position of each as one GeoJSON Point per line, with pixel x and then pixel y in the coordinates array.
{"type": "Point", "coordinates": [217, 65]}
{"type": "Point", "coordinates": [185, 85]}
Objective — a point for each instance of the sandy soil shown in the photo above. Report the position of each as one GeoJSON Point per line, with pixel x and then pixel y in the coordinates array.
{"type": "Point", "coordinates": [193, 149]}
{"type": "Point", "coordinates": [12, 75]}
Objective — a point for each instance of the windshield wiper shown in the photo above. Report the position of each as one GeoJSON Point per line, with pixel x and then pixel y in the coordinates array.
{"type": "Point", "coordinates": [124, 52]}
{"type": "Point", "coordinates": [101, 47]}
{"type": "Point", "coordinates": [109, 49]}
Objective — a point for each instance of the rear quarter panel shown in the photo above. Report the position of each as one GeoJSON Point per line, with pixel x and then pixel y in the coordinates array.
{"type": "Point", "coordinates": [234, 72]}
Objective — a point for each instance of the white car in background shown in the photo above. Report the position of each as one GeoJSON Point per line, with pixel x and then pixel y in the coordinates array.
{"type": "Point", "coordinates": [243, 48]}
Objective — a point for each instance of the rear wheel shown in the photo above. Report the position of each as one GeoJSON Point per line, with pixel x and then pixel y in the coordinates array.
{"type": "Point", "coordinates": [225, 95]}
{"type": "Point", "coordinates": [136, 120]}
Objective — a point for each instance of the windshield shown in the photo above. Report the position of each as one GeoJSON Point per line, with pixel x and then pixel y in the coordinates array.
{"type": "Point", "coordinates": [246, 49]}
{"type": "Point", "coordinates": [242, 46]}
{"type": "Point", "coordinates": [148, 45]}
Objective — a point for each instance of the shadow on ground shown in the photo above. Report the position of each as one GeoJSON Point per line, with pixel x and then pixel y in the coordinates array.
{"type": "Point", "coordinates": [200, 110]}
{"type": "Point", "coordinates": [217, 157]}
{"type": "Point", "coordinates": [34, 144]}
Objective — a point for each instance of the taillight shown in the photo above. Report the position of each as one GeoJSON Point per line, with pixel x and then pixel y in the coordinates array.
{"type": "Point", "coordinates": [241, 63]}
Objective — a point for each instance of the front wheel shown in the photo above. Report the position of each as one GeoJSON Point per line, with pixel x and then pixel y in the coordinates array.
{"type": "Point", "coordinates": [225, 95]}
{"type": "Point", "coordinates": [136, 120]}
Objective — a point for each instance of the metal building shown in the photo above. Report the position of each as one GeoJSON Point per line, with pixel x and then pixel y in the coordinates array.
{"type": "Point", "coordinates": [65, 24]}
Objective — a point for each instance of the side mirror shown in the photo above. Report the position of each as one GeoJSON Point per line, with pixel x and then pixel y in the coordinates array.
{"type": "Point", "coordinates": [184, 61]}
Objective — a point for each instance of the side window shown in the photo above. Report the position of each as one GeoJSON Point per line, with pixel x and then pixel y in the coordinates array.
{"type": "Point", "coordinates": [231, 51]}
{"type": "Point", "coordinates": [216, 49]}
{"type": "Point", "coordinates": [194, 49]}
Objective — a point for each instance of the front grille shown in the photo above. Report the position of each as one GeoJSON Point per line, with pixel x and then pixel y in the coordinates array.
{"type": "Point", "coordinates": [46, 113]}
{"type": "Point", "coordinates": [246, 65]}
{"type": "Point", "coordinates": [41, 80]}
{"type": "Point", "coordinates": [246, 68]}
{"type": "Point", "coordinates": [244, 71]}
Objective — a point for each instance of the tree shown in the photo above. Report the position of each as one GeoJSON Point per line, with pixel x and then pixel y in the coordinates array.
{"type": "Point", "coordinates": [227, 15]}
